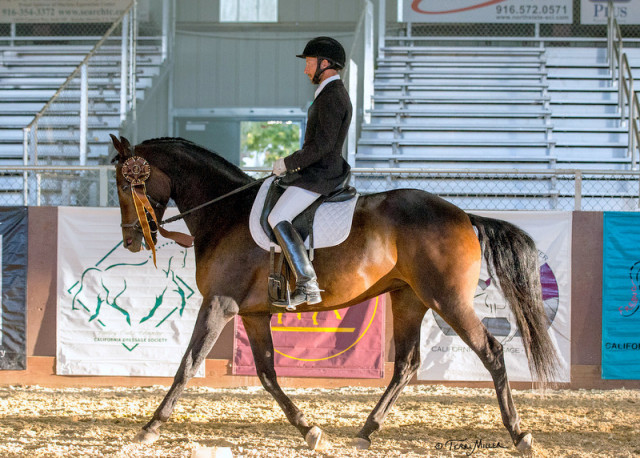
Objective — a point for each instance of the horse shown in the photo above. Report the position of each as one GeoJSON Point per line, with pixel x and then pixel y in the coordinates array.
{"type": "Point", "coordinates": [417, 247]}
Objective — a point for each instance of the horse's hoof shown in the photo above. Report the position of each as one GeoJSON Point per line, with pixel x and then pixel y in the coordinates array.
{"type": "Point", "coordinates": [360, 443]}
{"type": "Point", "coordinates": [526, 444]}
{"type": "Point", "coordinates": [316, 440]}
{"type": "Point", "coordinates": [146, 437]}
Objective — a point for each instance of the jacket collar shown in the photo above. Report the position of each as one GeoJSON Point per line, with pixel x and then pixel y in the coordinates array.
{"type": "Point", "coordinates": [324, 84]}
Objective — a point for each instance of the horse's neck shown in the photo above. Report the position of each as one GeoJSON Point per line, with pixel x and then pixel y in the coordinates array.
{"type": "Point", "coordinates": [214, 218]}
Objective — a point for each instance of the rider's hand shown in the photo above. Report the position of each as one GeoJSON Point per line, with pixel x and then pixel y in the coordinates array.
{"type": "Point", "coordinates": [279, 168]}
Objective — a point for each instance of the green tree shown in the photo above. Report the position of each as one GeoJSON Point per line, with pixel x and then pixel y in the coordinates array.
{"type": "Point", "coordinates": [265, 141]}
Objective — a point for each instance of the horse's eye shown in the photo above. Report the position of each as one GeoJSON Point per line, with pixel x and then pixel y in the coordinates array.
{"type": "Point", "coordinates": [125, 187]}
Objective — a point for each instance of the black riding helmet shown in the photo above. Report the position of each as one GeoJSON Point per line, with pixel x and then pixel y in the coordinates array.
{"type": "Point", "coordinates": [325, 48]}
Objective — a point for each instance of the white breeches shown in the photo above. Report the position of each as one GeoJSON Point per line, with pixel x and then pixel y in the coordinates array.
{"type": "Point", "coordinates": [293, 201]}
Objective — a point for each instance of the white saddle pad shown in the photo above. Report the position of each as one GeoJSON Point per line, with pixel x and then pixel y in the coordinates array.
{"type": "Point", "coordinates": [331, 225]}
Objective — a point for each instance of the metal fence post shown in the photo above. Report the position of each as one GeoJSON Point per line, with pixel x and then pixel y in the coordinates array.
{"type": "Point", "coordinates": [577, 202]}
{"type": "Point", "coordinates": [84, 112]}
{"type": "Point", "coordinates": [134, 53]}
{"type": "Point", "coordinates": [103, 191]}
{"type": "Point", "coordinates": [610, 44]}
{"type": "Point", "coordinates": [367, 74]}
{"type": "Point", "coordinates": [25, 160]}
{"type": "Point", "coordinates": [123, 68]}
{"type": "Point", "coordinates": [382, 25]}
{"type": "Point", "coordinates": [353, 94]}
{"type": "Point", "coordinates": [165, 29]}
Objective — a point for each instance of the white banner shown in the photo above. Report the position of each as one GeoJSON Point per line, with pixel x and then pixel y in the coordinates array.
{"type": "Point", "coordinates": [488, 11]}
{"type": "Point", "coordinates": [446, 357]}
{"type": "Point", "coordinates": [597, 11]}
{"type": "Point", "coordinates": [118, 314]}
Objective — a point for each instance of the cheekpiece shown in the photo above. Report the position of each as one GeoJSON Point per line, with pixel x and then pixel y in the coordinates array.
{"type": "Point", "coordinates": [136, 170]}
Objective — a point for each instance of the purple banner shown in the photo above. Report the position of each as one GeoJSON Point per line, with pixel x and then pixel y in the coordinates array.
{"type": "Point", "coordinates": [345, 343]}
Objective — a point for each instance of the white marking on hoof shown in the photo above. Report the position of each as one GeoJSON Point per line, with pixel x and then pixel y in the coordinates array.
{"type": "Point", "coordinates": [526, 444]}
{"type": "Point", "coordinates": [316, 440]}
{"type": "Point", "coordinates": [360, 444]}
{"type": "Point", "coordinates": [146, 437]}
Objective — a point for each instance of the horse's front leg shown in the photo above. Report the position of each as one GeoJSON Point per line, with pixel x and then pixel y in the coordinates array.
{"type": "Point", "coordinates": [213, 315]}
{"type": "Point", "coordinates": [259, 333]}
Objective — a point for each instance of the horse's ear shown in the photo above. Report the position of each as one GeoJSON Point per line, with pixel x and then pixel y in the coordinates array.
{"type": "Point", "coordinates": [122, 146]}
{"type": "Point", "coordinates": [127, 151]}
{"type": "Point", "coordinates": [116, 143]}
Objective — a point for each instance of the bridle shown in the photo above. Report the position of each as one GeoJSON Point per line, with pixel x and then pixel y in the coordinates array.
{"type": "Point", "coordinates": [136, 170]}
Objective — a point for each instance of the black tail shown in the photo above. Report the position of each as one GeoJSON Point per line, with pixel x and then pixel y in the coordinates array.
{"type": "Point", "coordinates": [512, 255]}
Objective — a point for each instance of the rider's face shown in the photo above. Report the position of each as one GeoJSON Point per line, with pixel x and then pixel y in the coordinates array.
{"type": "Point", "coordinates": [310, 68]}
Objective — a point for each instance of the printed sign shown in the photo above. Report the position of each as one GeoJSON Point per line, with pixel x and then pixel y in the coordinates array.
{"type": "Point", "coordinates": [117, 313]}
{"type": "Point", "coordinates": [67, 11]}
{"type": "Point", "coordinates": [13, 287]}
{"type": "Point", "coordinates": [446, 357]}
{"type": "Point", "coordinates": [597, 11]}
{"type": "Point", "coordinates": [488, 11]}
{"type": "Point", "coordinates": [340, 343]}
{"type": "Point", "coordinates": [620, 303]}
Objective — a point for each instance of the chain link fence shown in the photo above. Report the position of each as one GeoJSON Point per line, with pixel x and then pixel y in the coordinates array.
{"type": "Point", "coordinates": [566, 190]}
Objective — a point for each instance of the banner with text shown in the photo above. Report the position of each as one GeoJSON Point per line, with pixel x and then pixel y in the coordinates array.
{"type": "Point", "coordinates": [54, 11]}
{"type": "Point", "coordinates": [488, 11]}
{"type": "Point", "coordinates": [620, 304]}
{"type": "Point", "coordinates": [13, 288]}
{"type": "Point", "coordinates": [446, 357]}
{"type": "Point", "coordinates": [340, 343]}
{"type": "Point", "coordinates": [118, 314]}
{"type": "Point", "coordinates": [597, 11]}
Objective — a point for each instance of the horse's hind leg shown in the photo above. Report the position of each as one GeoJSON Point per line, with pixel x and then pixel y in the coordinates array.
{"type": "Point", "coordinates": [467, 325]}
{"type": "Point", "coordinates": [408, 312]}
{"type": "Point", "coordinates": [211, 319]}
{"type": "Point", "coordinates": [259, 333]}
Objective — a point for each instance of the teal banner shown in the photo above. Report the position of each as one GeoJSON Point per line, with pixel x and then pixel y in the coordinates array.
{"type": "Point", "coordinates": [620, 303]}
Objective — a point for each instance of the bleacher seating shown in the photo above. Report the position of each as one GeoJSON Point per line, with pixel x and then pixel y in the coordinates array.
{"type": "Point", "coordinates": [494, 108]}
{"type": "Point", "coordinates": [31, 74]}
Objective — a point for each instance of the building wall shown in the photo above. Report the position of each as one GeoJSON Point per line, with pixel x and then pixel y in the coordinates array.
{"type": "Point", "coordinates": [586, 322]}
{"type": "Point", "coordinates": [252, 65]}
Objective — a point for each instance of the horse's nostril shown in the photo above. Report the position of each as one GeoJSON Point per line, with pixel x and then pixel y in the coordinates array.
{"type": "Point", "coordinates": [128, 242]}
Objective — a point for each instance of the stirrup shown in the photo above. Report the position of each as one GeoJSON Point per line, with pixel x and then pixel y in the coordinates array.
{"type": "Point", "coordinates": [299, 296]}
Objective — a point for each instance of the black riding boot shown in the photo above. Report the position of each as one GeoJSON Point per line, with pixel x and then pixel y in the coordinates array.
{"type": "Point", "coordinates": [292, 245]}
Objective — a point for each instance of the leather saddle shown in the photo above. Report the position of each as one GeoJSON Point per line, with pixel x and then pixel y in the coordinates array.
{"type": "Point", "coordinates": [303, 223]}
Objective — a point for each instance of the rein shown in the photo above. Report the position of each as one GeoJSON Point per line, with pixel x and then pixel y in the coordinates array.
{"type": "Point", "coordinates": [136, 170]}
{"type": "Point", "coordinates": [212, 201]}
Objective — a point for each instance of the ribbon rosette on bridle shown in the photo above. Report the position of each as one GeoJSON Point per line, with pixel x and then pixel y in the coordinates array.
{"type": "Point", "coordinates": [136, 170]}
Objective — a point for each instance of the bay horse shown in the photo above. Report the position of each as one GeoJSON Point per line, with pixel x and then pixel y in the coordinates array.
{"type": "Point", "coordinates": [417, 247]}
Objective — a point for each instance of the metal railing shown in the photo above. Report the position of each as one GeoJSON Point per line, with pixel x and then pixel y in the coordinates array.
{"type": "Point", "coordinates": [620, 70]}
{"type": "Point", "coordinates": [541, 190]}
{"type": "Point", "coordinates": [359, 74]}
{"type": "Point", "coordinates": [127, 87]}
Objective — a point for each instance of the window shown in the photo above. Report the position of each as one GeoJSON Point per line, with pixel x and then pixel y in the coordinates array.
{"type": "Point", "coordinates": [262, 142]}
{"type": "Point", "coordinates": [248, 10]}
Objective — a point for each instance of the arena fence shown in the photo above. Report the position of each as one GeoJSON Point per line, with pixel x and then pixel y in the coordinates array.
{"type": "Point", "coordinates": [539, 190]}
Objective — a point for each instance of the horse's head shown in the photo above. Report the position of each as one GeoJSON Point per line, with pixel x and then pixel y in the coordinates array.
{"type": "Point", "coordinates": [135, 174]}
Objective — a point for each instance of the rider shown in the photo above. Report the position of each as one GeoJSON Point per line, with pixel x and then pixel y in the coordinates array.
{"type": "Point", "coordinates": [316, 169]}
